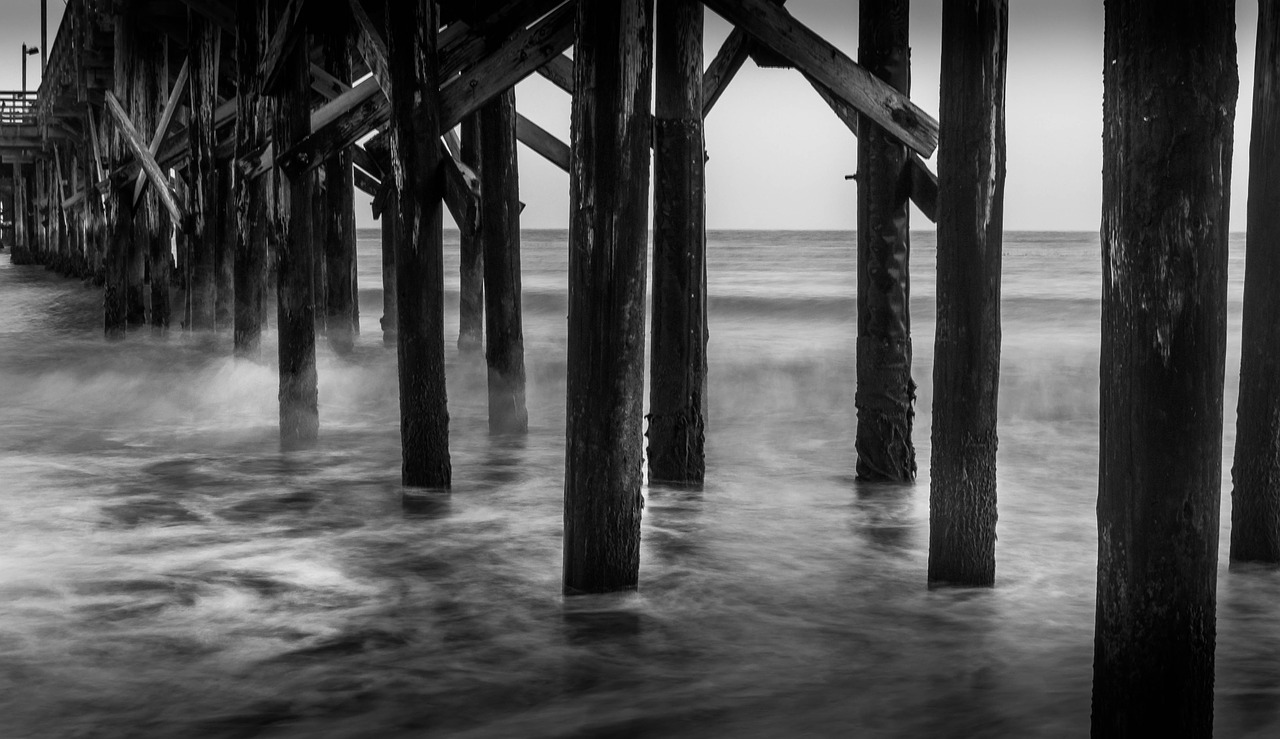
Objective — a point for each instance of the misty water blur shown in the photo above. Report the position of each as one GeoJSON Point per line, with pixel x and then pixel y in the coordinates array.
{"type": "Point", "coordinates": [166, 571]}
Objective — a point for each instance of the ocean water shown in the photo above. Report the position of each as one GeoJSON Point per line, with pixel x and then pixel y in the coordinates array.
{"type": "Point", "coordinates": [166, 571]}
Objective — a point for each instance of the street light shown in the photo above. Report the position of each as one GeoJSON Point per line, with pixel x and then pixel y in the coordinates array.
{"type": "Point", "coordinates": [26, 52]}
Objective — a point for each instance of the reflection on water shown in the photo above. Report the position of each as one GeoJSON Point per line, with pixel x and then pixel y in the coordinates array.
{"type": "Point", "coordinates": [167, 571]}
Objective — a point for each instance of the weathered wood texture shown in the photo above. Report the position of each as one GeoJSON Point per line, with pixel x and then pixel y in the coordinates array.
{"type": "Point", "coordinates": [146, 107]}
{"type": "Point", "coordinates": [390, 320]}
{"type": "Point", "coordinates": [419, 176]}
{"type": "Point", "coordinates": [119, 223]}
{"type": "Point", "coordinates": [966, 365]}
{"type": "Point", "coordinates": [471, 279]}
{"type": "Point", "coordinates": [775, 29]}
{"type": "Point", "coordinates": [1255, 497]}
{"type": "Point", "coordinates": [224, 257]}
{"type": "Point", "coordinates": [886, 392]}
{"type": "Point", "coordinates": [295, 238]}
{"type": "Point", "coordinates": [253, 196]}
{"type": "Point", "coordinates": [608, 231]}
{"type": "Point", "coordinates": [341, 304]}
{"type": "Point", "coordinates": [202, 178]}
{"type": "Point", "coordinates": [1170, 92]}
{"type": "Point", "coordinates": [500, 235]}
{"type": "Point", "coordinates": [678, 358]}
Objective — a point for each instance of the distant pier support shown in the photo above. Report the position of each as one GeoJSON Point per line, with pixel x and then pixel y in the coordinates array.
{"type": "Point", "coordinates": [415, 122]}
{"type": "Point", "coordinates": [608, 234]}
{"type": "Point", "coordinates": [966, 365]}
{"type": "Point", "coordinates": [1255, 498]}
{"type": "Point", "coordinates": [1170, 94]}
{"type": "Point", "coordinates": [678, 358]}
{"type": "Point", "coordinates": [500, 236]}
{"type": "Point", "coordinates": [471, 245]}
{"type": "Point", "coordinates": [341, 301]}
{"type": "Point", "coordinates": [885, 393]}
{"type": "Point", "coordinates": [252, 195]}
{"type": "Point", "coordinates": [295, 228]}
{"type": "Point", "coordinates": [202, 175]}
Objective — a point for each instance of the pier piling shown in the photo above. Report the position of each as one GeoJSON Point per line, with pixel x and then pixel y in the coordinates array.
{"type": "Point", "coordinates": [470, 241]}
{"type": "Point", "coordinates": [202, 171]}
{"type": "Point", "coordinates": [966, 362]}
{"type": "Point", "coordinates": [252, 195]}
{"type": "Point", "coordinates": [500, 239]}
{"type": "Point", "coordinates": [608, 234]}
{"type": "Point", "coordinates": [886, 393]}
{"type": "Point", "coordinates": [415, 123]}
{"type": "Point", "coordinates": [678, 358]}
{"type": "Point", "coordinates": [1170, 92]}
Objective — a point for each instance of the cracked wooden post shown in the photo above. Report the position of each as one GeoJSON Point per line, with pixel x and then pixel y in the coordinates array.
{"type": "Point", "coordinates": [1255, 497]}
{"type": "Point", "coordinates": [253, 196]}
{"type": "Point", "coordinates": [966, 369]}
{"type": "Point", "coordinates": [415, 124]}
{"type": "Point", "coordinates": [295, 231]}
{"type": "Point", "coordinates": [1170, 87]}
{"type": "Point", "coordinates": [500, 236]}
{"type": "Point", "coordinates": [885, 393]}
{"type": "Point", "coordinates": [678, 359]}
{"type": "Point", "coordinates": [202, 178]}
{"type": "Point", "coordinates": [341, 304]}
{"type": "Point", "coordinates": [471, 298]}
{"type": "Point", "coordinates": [608, 231]}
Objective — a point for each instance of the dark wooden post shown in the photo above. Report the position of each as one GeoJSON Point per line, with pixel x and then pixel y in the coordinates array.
{"type": "Point", "coordinates": [21, 250]}
{"type": "Point", "coordinates": [224, 257]}
{"type": "Point", "coordinates": [1255, 498]}
{"type": "Point", "coordinates": [608, 224]}
{"type": "Point", "coordinates": [145, 103]}
{"type": "Point", "coordinates": [253, 196]}
{"type": "Point", "coordinates": [678, 359]}
{"type": "Point", "coordinates": [966, 369]}
{"type": "Point", "coordinates": [1170, 93]}
{"type": "Point", "coordinates": [202, 177]}
{"type": "Point", "coordinates": [500, 234]}
{"type": "Point", "coordinates": [471, 320]}
{"type": "Point", "coordinates": [160, 257]}
{"type": "Point", "coordinates": [886, 392]}
{"type": "Point", "coordinates": [341, 302]}
{"type": "Point", "coordinates": [415, 123]}
{"type": "Point", "coordinates": [295, 229]}
{"type": "Point", "coordinates": [390, 237]}
{"type": "Point", "coordinates": [119, 223]}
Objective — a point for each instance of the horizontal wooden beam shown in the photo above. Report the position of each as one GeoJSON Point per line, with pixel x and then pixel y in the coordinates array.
{"type": "Point", "coordinates": [163, 187]}
{"type": "Point", "coordinates": [777, 30]}
{"type": "Point", "coordinates": [542, 142]}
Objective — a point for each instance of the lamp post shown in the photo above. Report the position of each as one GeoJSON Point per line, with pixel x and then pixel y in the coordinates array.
{"type": "Point", "coordinates": [26, 52]}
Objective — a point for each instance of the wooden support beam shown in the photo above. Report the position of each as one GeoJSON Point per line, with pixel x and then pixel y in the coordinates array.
{"type": "Point", "coordinates": [559, 70]}
{"type": "Point", "coordinates": [777, 30]}
{"type": "Point", "coordinates": [371, 45]}
{"type": "Point", "coordinates": [162, 128]}
{"type": "Point", "coordinates": [202, 177]}
{"type": "Point", "coordinates": [678, 325]}
{"type": "Point", "coordinates": [1255, 498]}
{"type": "Point", "coordinates": [608, 235]}
{"type": "Point", "coordinates": [500, 239]}
{"type": "Point", "coordinates": [253, 197]}
{"type": "Point", "coordinates": [341, 305]}
{"type": "Point", "coordinates": [290, 30]}
{"type": "Point", "coordinates": [542, 142]}
{"type": "Point", "coordinates": [416, 125]}
{"type": "Point", "coordinates": [514, 60]}
{"type": "Point", "coordinates": [470, 247]}
{"type": "Point", "coordinates": [966, 365]}
{"type": "Point", "coordinates": [149, 165]}
{"type": "Point", "coordinates": [885, 389]}
{"type": "Point", "coordinates": [295, 228]}
{"type": "Point", "coordinates": [724, 67]}
{"type": "Point", "coordinates": [921, 185]}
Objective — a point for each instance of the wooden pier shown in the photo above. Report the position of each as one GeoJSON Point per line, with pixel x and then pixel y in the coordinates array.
{"type": "Point", "coordinates": [191, 158]}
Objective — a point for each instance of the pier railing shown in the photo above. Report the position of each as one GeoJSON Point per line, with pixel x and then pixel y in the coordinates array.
{"type": "Point", "coordinates": [17, 108]}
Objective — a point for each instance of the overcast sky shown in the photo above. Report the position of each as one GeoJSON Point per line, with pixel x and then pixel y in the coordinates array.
{"type": "Point", "coordinates": [778, 156]}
